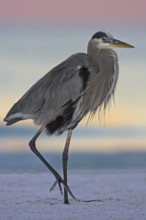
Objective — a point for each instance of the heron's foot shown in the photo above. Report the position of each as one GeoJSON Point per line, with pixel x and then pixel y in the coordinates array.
{"type": "Point", "coordinates": [60, 181]}
{"type": "Point", "coordinates": [54, 184]}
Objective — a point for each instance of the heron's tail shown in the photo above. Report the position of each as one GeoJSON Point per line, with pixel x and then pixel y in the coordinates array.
{"type": "Point", "coordinates": [13, 115]}
{"type": "Point", "coordinates": [12, 121]}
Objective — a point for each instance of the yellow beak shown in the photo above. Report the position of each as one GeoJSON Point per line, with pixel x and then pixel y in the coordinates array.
{"type": "Point", "coordinates": [118, 43]}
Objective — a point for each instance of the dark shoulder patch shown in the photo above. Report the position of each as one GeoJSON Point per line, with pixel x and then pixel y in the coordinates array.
{"type": "Point", "coordinates": [84, 74]}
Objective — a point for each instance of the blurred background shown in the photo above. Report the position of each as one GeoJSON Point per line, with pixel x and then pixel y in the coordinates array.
{"type": "Point", "coordinates": [36, 35]}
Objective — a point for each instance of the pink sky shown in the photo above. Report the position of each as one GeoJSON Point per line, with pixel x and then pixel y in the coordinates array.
{"type": "Point", "coordinates": [113, 11]}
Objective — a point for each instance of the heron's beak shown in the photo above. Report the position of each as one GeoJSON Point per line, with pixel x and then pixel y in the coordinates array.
{"type": "Point", "coordinates": [118, 43]}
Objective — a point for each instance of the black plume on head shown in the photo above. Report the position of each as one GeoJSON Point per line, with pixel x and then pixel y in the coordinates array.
{"type": "Point", "coordinates": [99, 35]}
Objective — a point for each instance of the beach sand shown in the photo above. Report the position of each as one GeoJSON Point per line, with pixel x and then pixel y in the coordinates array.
{"type": "Point", "coordinates": [112, 196]}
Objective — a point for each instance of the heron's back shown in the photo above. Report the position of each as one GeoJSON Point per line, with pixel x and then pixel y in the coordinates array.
{"type": "Point", "coordinates": [47, 98]}
{"type": "Point", "coordinates": [61, 98]}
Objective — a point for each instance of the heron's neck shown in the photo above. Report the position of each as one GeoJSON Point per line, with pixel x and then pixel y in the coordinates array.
{"type": "Point", "coordinates": [103, 59]}
{"type": "Point", "coordinates": [92, 51]}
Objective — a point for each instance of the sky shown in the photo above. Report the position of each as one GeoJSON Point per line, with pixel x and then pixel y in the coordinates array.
{"type": "Point", "coordinates": [77, 11]}
{"type": "Point", "coordinates": [33, 35]}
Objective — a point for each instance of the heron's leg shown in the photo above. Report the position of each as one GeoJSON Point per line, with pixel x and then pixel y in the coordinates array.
{"type": "Point", "coordinates": [65, 159]}
{"type": "Point", "coordinates": [53, 171]}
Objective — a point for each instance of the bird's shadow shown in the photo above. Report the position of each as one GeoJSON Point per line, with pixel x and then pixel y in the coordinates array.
{"type": "Point", "coordinates": [91, 200]}
{"type": "Point", "coordinates": [54, 201]}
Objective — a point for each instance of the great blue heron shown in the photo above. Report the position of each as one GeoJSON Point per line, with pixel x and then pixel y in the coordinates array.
{"type": "Point", "coordinates": [60, 99]}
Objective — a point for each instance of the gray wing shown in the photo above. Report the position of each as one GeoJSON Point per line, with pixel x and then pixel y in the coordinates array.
{"type": "Point", "coordinates": [46, 99]}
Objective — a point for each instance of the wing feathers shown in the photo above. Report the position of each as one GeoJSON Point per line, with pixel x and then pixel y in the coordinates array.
{"type": "Point", "coordinates": [45, 99]}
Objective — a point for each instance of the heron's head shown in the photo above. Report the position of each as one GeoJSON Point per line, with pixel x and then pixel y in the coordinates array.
{"type": "Point", "coordinates": [106, 41]}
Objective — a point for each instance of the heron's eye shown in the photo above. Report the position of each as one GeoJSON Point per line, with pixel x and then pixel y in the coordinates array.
{"type": "Point", "coordinates": [104, 38]}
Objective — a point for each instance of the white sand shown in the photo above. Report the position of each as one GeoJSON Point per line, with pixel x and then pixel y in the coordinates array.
{"type": "Point", "coordinates": [116, 197]}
